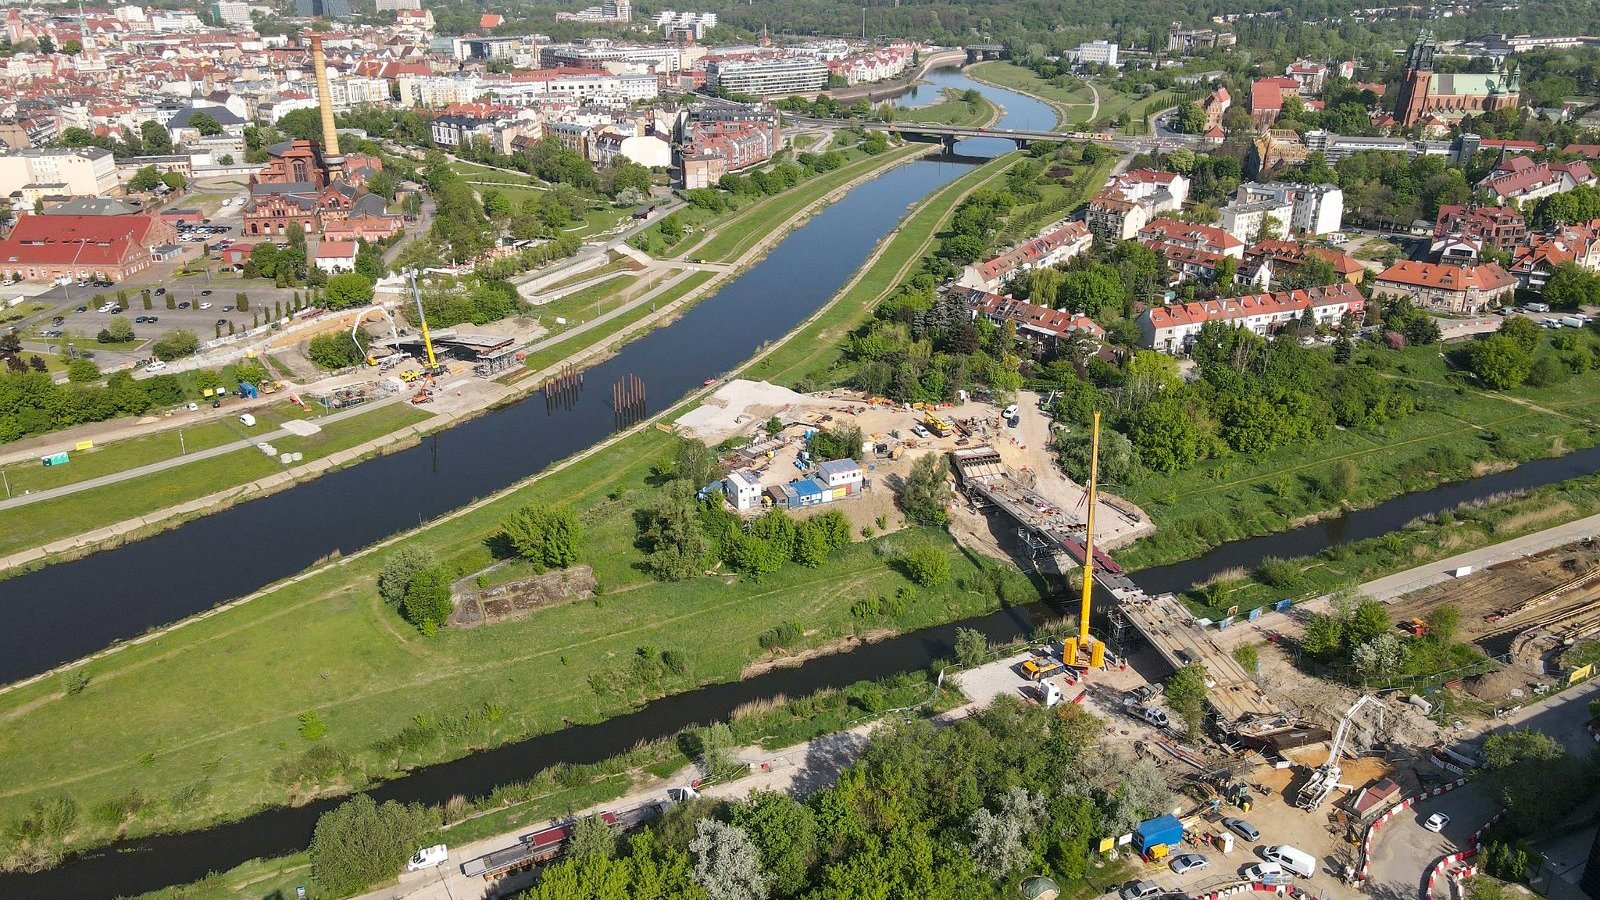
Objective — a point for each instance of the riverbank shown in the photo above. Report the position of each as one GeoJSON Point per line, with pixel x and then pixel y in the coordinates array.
{"type": "Point", "coordinates": [337, 597]}
{"type": "Point", "coordinates": [88, 523]}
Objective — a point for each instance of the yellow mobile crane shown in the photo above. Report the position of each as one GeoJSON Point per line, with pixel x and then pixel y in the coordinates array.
{"type": "Point", "coordinates": [434, 366]}
{"type": "Point", "coordinates": [1096, 649]}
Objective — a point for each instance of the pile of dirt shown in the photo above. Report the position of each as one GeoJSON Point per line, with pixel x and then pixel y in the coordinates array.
{"type": "Point", "coordinates": [1497, 685]}
{"type": "Point", "coordinates": [515, 599]}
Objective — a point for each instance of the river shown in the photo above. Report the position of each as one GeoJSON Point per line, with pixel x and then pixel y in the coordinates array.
{"type": "Point", "coordinates": [71, 609]}
{"type": "Point", "coordinates": [804, 270]}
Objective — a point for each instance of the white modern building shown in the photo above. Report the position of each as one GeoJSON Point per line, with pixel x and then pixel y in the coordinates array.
{"type": "Point", "coordinates": [743, 490]}
{"type": "Point", "coordinates": [695, 23]}
{"type": "Point", "coordinates": [1244, 219]}
{"type": "Point", "coordinates": [1317, 208]}
{"type": "Point", "coordinates": [81, 172]}
{"type": "Point", "coordinates": [1095, 53]}
{"type": "Point", "coordinates": [768, 77]}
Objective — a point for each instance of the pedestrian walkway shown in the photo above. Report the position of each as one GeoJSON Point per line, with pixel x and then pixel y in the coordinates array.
{"type": "Point", "coordinates": [176, 461]}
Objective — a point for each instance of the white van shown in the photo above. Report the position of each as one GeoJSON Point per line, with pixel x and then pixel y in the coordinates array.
{"type": "Point", "coordinates": [1297, 861]}
{"type": "Point", "coordinates": [1538, 307]}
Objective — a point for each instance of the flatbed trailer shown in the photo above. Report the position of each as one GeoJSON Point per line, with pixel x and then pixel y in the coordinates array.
{"type": "Point", "coordinates": [548, 843]}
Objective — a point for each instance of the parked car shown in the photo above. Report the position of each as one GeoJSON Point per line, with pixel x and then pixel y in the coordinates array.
{"type": "Point", "coordinates": [1269, 872]}
{"type": "Point", "coordinates": [205, 305]}
{"type": "Point", "coordinates": [1242, 828]}
{"type": "Point", "coordinates": [1436, 822]}
{"type": "Point", "coordinates": [1138, 890]}
{"type": "Point", "coordinates": [156, 365]}
{"type": "Point", "coordinates": [183, 305]}
{"type": "Point", "coordinates": [1184, 863]}
{"type": "Point", "coordinates": [206, 293]}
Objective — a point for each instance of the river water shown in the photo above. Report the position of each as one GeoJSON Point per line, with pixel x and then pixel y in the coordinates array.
{"type": "Point", "coordinates": [799, 274]}
{"type": "Point", "coordinates": [69, 610]}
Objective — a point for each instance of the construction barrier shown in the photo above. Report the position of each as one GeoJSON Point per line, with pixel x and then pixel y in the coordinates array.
{"type": "Point", "coordinates": [1444, 865]}
{"type": "Point", "coordinates": [1364, 862]}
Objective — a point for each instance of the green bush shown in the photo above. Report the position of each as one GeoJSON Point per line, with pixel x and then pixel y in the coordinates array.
{"type": "Point", "coordinates": [927, 566]}
{"type": "Point", "coordinates": [359, 843]}
{"type": "Point", "coordinates": [781, 636]}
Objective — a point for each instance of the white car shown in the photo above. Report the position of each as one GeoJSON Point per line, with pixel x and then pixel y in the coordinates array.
{"type": "Point", "coordinates": [1184, 863]}
{"type": "Point", "coordinates": [1265, 872]}
{"type": "Point", "coordinates": [155, 366]}
{"type": "Point", "coordinates": [428, 857]}
{"type": "Point", "coordinates": [1436, 822]}
{"type": "Point", "coordinates": [205, 306]}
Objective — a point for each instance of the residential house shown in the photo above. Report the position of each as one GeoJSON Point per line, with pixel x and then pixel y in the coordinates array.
{"type": "Point", "coordinates": [1059, 242]}
{"type": "Point", "coordinates": [1214, 106]}
{"type": "Point", "coordinates": [1194, 237]}
{"type": "Point", "coordinates": [1520, 178]}
{"type": "Point", "coordinates": [334, 257]}
{"type": "Point", "coordinates": [1461, 289]}
{"type": "Point", "coordinates": [1533, 263]}
{"type": "Point", "coordinates": [1046, 329]}
{"type": "Point", "coordinates": [1285, 257]}
{"type": "Point", "coordinates": [1172, 328]}
{"type": "Point", "coordinates": [1500, 227]}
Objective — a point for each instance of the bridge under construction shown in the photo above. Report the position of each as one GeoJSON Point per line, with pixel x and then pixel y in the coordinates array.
{"type": "Point", "coordinates": [1163, 621]}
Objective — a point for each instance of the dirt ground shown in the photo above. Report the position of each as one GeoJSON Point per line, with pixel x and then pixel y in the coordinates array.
{"type": "Point", "coordinates": [1504, 586]}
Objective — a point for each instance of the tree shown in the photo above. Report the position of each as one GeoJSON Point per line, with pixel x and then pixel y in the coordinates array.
{"type": "Point", "coordinates": [82, 371]}
{"type": "Point", "coordinates": [1186, 694]}
{"type": "Point", "coordinates": [1571, 287]}
{"type": "Point", "coordinates": [157, 140]}
{"type": "Point", "coordinates": [1190, 119]}
{"type": "Point", "coordinates": [176, 344]}
{"type": "Point", "coordinates": [1370, 619]}
{"type": "Point", "coordinates": [1324, 635]}
{"type": "Point", "coordinates": [1443, 622]}
{"type": "Point", "coordinates": [786, 833]}
{"type": "Point", "coordinates": [1073, 449]}
{"type": "Point", "coordinates": [546, 535]}
{"type": "Point", "coordinates": [1247, 656]}
{"type": "Point", "coordinates": [926, 495]}
{"type": "Point", "coordinates": [592, 838]}
{"type": "Point", "coordinates": [348, 289]}
{"type": "Point", "coordinates": [1522, 332]}
{"type": "Point", "coordinates": [146, 178]}
{"type": "Point", "coordinates": [971, 647]}
{"type": "Point", "coordinates": [119, 329]}
{"type": "Point", "coordinates": [1163, 435]}
{"type": "Point", "coordinates": [927, 566]}
{"type": "Point", "coordinates": [205, 124]}
{"type": "Point", "coordinates": [399, 568]}
{"type": "Point", "coordinates": [359, 843]}
{"type": "Point", "coordinates": [1000, 839]}
{"type": "Point", "coordinates": [427, 603]}
{"type": "Point", "coordinates": [1382, 654]}
{"type": "Point", "coordinates": [335, 349]}
{"type": "Point", "coordinates": [1499, 362]}
{"type": "Point", "coordinates": [727, 863]}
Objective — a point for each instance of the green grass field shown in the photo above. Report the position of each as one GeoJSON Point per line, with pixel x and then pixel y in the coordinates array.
{"type": "Point", "coordinates": [1072, 103]}
{"type": "Point", "coordinates": [737, 234]}
{"type": "Point", "coordinates": [949, 111]}
{"type": "Point", "coordinates": [1458, 431]}
{"type": "Point", "coordinates": [216, 734]}
{"type": "Point", "coordinates": [475, 172]}
{"type": "Point", "coordinates": [51, 520]}
{"type": "Point", "coordinates": [618, 263]}
{"type": "Point", "coordinates": [562, 349]}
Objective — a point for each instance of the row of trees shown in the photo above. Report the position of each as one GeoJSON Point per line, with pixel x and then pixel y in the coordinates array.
{"type": "Point", "coordinates": [32, 403]}
{"type": "Point", "coordinates": [1515, 355]}
{"type": "Point", "coordinates": [963, 811]}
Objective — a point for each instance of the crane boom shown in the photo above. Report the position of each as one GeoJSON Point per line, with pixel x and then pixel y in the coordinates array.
{"type": "Point", "coordinates": [422, 320]}
{"type": "Point", "coordinates": [1325, 778]}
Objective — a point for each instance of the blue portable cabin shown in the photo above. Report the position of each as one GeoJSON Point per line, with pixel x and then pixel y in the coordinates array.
{"type": "Point", "coordinates": [809, 492]}
{"type": "Point", "coordinates": [1162, 831]}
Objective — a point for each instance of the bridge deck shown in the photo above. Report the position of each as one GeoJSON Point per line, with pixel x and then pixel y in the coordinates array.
{"type": "Point", "coordinates": [1169, 627]}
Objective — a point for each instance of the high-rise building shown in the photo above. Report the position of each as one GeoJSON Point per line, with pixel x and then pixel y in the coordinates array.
{"type": "Point", "coordinates": [764, 77]}
{"type": "Point", "coordinates": [326, 9]}
{"type": "Point", "coordinates": [231, 12]}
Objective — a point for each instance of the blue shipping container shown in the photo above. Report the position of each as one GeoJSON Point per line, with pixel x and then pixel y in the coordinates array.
{"type": "Point", "coordinates": [1158, 831]}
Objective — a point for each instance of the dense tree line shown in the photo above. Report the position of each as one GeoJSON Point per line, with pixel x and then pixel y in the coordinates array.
{"type": "Point", "coordinates": [963, 811]}
{"type": "Point", "coordinates": [32, 403]}
{"type": "Point", "coordinates": [1389, 188]}
{"type": "Point", "coordinates": [452, 301]}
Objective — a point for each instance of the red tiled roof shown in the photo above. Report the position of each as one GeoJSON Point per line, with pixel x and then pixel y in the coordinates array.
{"type": "Point", "coordinates": [1295, 253]}
{"type": "Point", "coordinates": [1031, 316]}
{"type": "Point", "coordinates": [1591, 151]}
{"type": "Point", "coordinates": [74, 240]}
{"type": "Point", "coordinates": [336, 250]}
{"type": "Point", "coordinates": [1254, 305]}
{"type": "Point", "coordinates": [1172, 231]}
{"type": "Point", "coordinates": [1438, 276]}
{"type": "Point", "coordinates": [1029, 251]}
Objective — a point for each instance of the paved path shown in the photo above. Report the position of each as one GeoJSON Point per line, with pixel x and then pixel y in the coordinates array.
{"type": "Point", "coordinates": [185, 459]}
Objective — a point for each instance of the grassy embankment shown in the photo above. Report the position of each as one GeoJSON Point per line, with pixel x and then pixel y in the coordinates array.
{"type": "Point", "coordinates": [1072, 104]}
{"type": "Point", "coordinates": [195, 751]}
{"type": "Point", "coordinates": [1459, 430]}
{"type": "Point", "coordinates": [51, 520]}
{"type": "Point", "coordinates": [736, 234]}
{"type": "Point", "coordinates": [951, 110]}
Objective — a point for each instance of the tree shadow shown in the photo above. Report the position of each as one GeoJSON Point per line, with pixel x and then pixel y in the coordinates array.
{"type": "Point", "coordinates": [825, 759]}
{"type": "Point", "coordinates": [499, 546]}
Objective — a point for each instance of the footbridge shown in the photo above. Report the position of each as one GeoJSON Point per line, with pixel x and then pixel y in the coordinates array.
{"type": "Point", "coordinates": [950, 135]}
